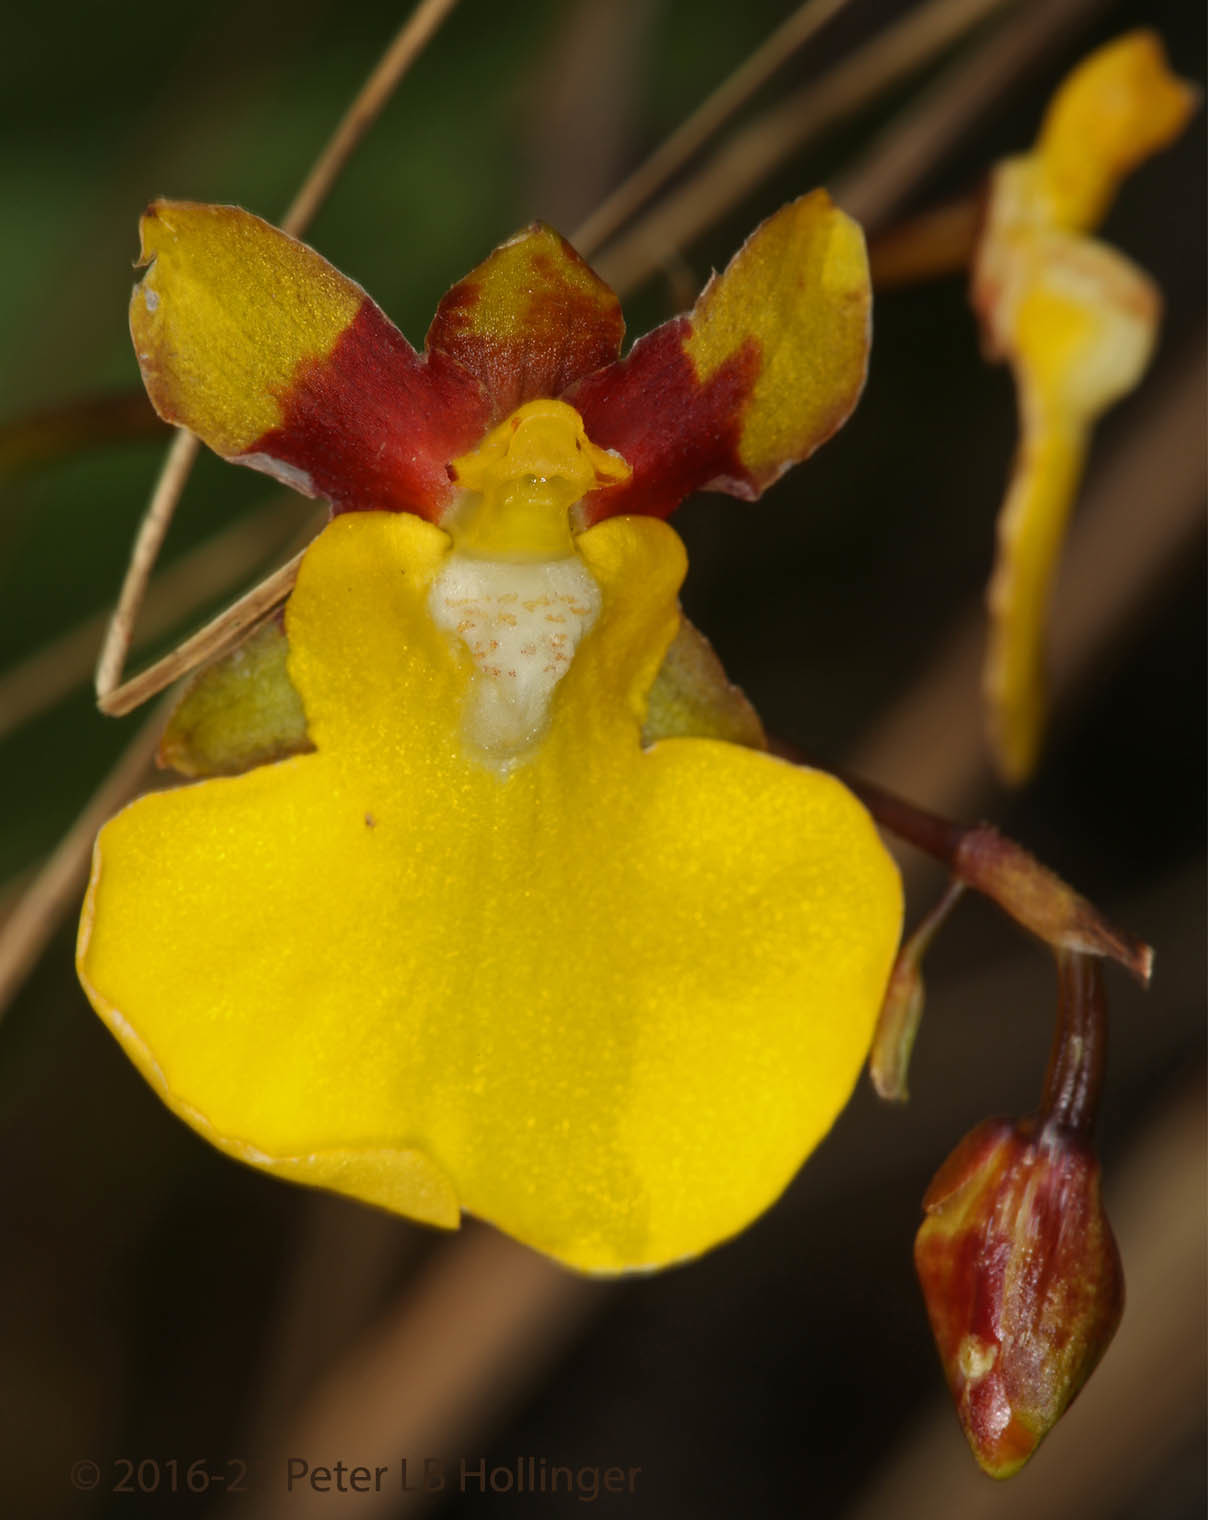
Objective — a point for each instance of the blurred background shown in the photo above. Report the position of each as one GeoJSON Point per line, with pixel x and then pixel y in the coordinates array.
{"type": "Point", "coordinates": [160, 1302]}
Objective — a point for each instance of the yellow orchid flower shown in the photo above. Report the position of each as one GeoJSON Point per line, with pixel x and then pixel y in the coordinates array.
{"type": "Point", "coordinates": [500, 906]}
{"type": "Point", "coordinates": [1077, 321]}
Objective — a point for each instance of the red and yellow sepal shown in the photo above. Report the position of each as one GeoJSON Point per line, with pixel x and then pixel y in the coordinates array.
{"type": "Point", "coordinates": [529, 321]}
{"type": "Point", "coordinates": [276, 360]}
{"type": "Point", "coordinates": [765, 368]}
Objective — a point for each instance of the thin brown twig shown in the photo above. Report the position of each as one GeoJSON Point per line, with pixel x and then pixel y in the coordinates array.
{"type": "Point", "coordinates": [675, 151]}
{"type": "Point", "coordinates": [416, 31]}
{"type": "Point", "coordinates": [177, 466]}
{"type": "Point", "coordinates": [174, 595]}
{"type": "Point", "coordinates": [56, 886]}
{"type": "Point", "coordinates": [218, 636]}
{"type": "Point", "coordinates": [982, 858]}
{"type": "Point", "coordinates": [747, 158]}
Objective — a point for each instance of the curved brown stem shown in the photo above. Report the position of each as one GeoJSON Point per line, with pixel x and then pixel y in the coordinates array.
{"type": "Point", "coordinates": [978, 855]}
{"type": "Point", "coordinates": [1074, 1079]}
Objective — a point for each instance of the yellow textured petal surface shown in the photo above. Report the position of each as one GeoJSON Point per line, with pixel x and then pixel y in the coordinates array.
{"type": "Point", "coordinates": [799, 291]}
{"type": "Point", "coordinates": [608, 1001]}
{"type": "Point", "coordinates": [1119, 106]}
{"type": "Point", "coordinates": [228, 310]}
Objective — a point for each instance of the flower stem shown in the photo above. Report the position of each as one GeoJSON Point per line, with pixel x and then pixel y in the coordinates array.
{"type": "Point", "coordinates": [1074, 1079]}
{"type": "Point", "coordinates": [978, 855]}
{"type": "Point", "coordinates": [935, 836]}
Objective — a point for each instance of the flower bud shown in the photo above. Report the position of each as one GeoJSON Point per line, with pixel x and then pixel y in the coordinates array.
{"type": "Point", "coordinates": [1022, 1281]}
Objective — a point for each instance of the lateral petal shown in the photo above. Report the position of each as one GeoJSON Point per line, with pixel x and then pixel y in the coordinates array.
{"type": "Point", "coordinates": [276, 360]}
{"type": "Point", "coordinates": [692, 697]}
{"type": "Point", "coordinates": [769, 363]}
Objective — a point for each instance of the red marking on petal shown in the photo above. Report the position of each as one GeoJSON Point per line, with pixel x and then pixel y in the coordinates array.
{"type": "Point", "coordinates": [529, 321]}
{"type": "Point", "coordinates": [373, 425]}
{"type": "Point", "coordinates": [676, 434]}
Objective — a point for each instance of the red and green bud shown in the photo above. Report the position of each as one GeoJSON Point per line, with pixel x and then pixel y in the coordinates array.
{"type": "Point", "coordinates": [1022, 1280]}
{"type": "Point", "coordinates": [1016, 1258]}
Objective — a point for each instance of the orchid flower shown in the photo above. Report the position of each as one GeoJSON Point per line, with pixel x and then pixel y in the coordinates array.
{"type": "Point", "coordinates": [486, 895]}
{"type": "Point", "coordinates": [1077, 322]}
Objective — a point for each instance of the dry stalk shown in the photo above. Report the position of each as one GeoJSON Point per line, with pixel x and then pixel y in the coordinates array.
{"type": "Point", "coordinates": [413, 36]}
{"type": "Point", "coordinates": [216, 638]}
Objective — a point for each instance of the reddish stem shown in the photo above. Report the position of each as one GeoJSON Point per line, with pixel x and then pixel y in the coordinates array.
{"type": "Point", "coordinates": [1001, 870]}
{"type": "Point", "coordinates": [1078, 1058]}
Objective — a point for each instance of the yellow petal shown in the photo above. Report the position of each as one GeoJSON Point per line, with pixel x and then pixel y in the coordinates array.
{"type": "Point", "coordinates": [767, 365]}
{"type": "Point", "coordinates": [608, 1001]}
{"type": "Point", "coordinates": [228, 310]}
{"type": "Point", "coordinates": [1119, 106]}
{"type": "Point", "coordinates": [1083, 320]}
{"type": "Point", "coordinates": [798, 290]}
